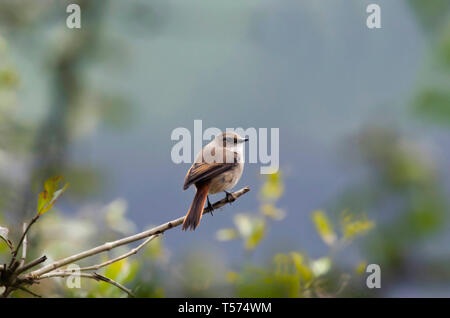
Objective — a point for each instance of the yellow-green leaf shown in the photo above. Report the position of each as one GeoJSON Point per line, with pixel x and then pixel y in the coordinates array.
{"type": "Point", "coordinates": [258, 233]}
{"type": "Point", "coordinates": [321, 266]}
{"type": "Point", "coordinates": [273, 188]}
{"type": "Point", "coordinates": [271, 211]}
{"type": "Point", "coordinates": [355, 225]}
{"type": "Point", "coordinates": [155, 248]}
{"type": "Point", "coordinates": [243, 224]}
{"type": "Point", "coordinates": [4, 232]}
{"type": "Point", "coordinates": [232, 277]}
{"type": "Point", "coordinates": [250, 228]}
{"type": "Point", "coordinates": [324, 227]}
{"type": "Point", "coordinates": [226, 234]}
{"type": "Point", "coordinates": [361, 267]}
{"type": "Point", "coordinates": [113, 270]}
{"type": "Point", "coordinates": [282, 264]}
{"type": "Point", "coordinates": [4, 235]}
{"type": "Point", "coordinates": [302, 269]}
{"type": "Point", "coordinates": [47, 198]}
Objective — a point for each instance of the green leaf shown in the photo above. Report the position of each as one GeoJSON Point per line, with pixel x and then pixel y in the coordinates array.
{"type": "Point", "coordinates": [302, 269]}
{"type": "Point", "coordinates": [226, 234]}
{"type": "Point", "coordinates": [272, 212]}
{"type": "Point", "coordinates": [282, 264]}
{"type": "Point", "coordinates": [361, 267]}
{"type": "Point", "coordinates": [113, 270]}
{"type": "Point", "coordinates": [155, 248]}
{"type": "Point", "coordinates": [48, 197]}
{"type": "Point", "coordinates": [324, 227]}
{"type": "Point", "coordinates": [251, 229]}
{"type": "Point", "coordinates": [355, 225]}
{"type": "Point", "coordinates": [244, 224]}
{"type": "Point", "coordinates": [321, 266]}
{"type": "Point", "coordinates": [4, 234]}
{"type": "Point", "coordinates": [273, 188]}
{"type": "Point", "coordinates": [8, 78]}
{"type": "Point", "coordinates": [258, 233]}
{"type": "Point", "coordinates": [232, 277]}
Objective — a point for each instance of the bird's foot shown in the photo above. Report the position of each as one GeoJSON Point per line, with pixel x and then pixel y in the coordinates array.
{"type": "Point", "coordinates": [230, 197]}
{"type": "Point", "coordinates": [210, 207]}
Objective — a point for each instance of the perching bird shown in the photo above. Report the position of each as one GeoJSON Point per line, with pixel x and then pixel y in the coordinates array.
{"type": "Point", "coordinates": [218, 167]}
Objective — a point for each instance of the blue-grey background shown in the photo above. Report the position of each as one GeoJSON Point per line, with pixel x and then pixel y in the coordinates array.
{"type": "Point", "coordinates": [310, 68]}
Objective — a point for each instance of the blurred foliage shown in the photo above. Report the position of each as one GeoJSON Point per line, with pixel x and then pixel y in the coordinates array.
{"type": "Point", "coordinates": [431, 14]}
{"type": "Point", "coordinates": [291, 274]}
{"type": "Point", "coordinates": [403, 192]}
{"type": "Point", "coordinates": [251, 228]}
{"type": "Point", "coordinates": [151, 274]}
{"type": "Point", "coordinates": [434, 104]}
{"type": "Point", "coordinates": [352, 225]}
{"type": "Point", "coordinates": [32, 149]}
{"type": "Point", "coordinates": [35, 147]}
{"type": "Point", "coordinates": [432, 100]}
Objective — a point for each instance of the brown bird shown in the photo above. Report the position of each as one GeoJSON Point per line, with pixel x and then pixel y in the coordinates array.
{"type": "Point", "coordinates": [218, 167]}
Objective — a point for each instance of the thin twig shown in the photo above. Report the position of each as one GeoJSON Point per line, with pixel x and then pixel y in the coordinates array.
{"type": "Point", "coordinates": [25, 246]}
{"type": "Point", "coordinates": [95, 276]}
{"type": "Point", "coordinates": [109, 245]}
{"type": "Point", "coordinates": [14, 253]}
{"type": "Point", "coordinates": [113, 282]}
{"type": "Point", "coordinates": [29, 292]}
{"type": "Point", "coordinates": [133, 251]}
{"type": "Point", "coordinates": [31, 264]}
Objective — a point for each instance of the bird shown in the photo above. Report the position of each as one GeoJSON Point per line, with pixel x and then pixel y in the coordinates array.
{"type": "Point", "coordinates": [216, 168]}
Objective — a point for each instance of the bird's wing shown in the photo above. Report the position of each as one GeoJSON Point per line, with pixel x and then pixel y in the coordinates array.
{"type": "Point", "coordinates": [205, 171]}
{"type": "Point", "coordinates": [202, 171]}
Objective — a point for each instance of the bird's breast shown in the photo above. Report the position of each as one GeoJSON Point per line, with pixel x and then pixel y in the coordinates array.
{"type": "Point", "coordinates": [226, 180]}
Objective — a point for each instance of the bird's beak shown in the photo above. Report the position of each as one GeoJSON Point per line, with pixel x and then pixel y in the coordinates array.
{"type": "Point", "coordinates": [246, 139]}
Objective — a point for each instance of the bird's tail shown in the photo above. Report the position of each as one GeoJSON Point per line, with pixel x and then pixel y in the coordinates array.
{"type": "Point", "coordinates": [192, 218]}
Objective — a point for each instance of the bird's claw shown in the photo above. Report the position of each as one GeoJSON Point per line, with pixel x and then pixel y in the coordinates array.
{"type": "Point", "coordinates": [230, 197]}
{"type": "Point", "coordinates": [210, 207]}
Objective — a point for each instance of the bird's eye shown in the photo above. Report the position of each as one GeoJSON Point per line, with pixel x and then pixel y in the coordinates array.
{"type": "Point", "coordinates": [235, 140]}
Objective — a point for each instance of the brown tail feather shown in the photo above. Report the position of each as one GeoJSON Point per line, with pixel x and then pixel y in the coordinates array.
{"type": "Point", "coordinates": [192, 218]}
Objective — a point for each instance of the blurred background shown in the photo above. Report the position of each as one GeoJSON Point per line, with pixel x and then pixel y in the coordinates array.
{"type": "Point", "coordinates": [364, 118]}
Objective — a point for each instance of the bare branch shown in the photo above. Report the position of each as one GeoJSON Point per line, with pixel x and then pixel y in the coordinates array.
{"type": "Point", "coordinates": [95, 276]}
{"type": "Point", "coordinates": [109, 245]}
